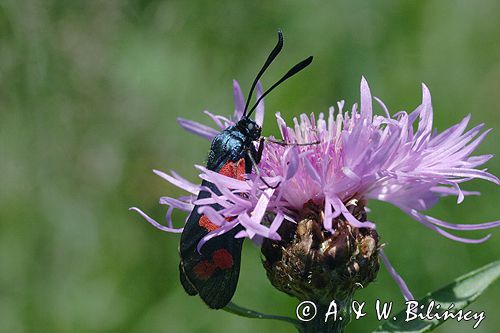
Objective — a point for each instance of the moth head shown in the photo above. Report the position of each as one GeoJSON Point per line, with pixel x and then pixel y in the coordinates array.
{"type": "Point", "coordinates": [249, 128]}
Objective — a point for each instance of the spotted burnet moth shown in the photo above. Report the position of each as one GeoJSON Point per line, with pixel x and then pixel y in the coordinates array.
{"type": "Point", "coordinates": [213, 271]}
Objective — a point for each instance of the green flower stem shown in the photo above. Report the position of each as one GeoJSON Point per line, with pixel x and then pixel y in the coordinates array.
{"type": "Point", "coordinates": [243, 312]}
{"type": "Point", "coordinates": [316, 325]}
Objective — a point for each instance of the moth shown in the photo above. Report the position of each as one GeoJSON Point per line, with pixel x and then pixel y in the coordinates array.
{"type": "Point", "coordinates": [213, 271]}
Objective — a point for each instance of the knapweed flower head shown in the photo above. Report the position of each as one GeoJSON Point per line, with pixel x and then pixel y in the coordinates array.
{"type": "Point", "coordinates": [334, 160]}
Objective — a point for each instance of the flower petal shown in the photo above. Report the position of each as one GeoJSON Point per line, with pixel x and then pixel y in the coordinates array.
{"type": "Point", "coordinates": [366, 100]}
{"type": "Point", "coordinates": [259, 110]}
{"type": "Point", "coordinates": [197, 128]}
{"type": "Point", "coordinates": [239, 100]}
{"type": "Point", "coordinates": [154, 223]}
{"type": "Point", "coordinates": [480, 226]}
{"type": "Point", "coordinates": [181, 183]}
{"type": "Point", "coordinates": [399, 280]}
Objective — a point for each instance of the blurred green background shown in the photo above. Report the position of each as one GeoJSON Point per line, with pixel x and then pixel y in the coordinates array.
{"type": "Point", "coordinates": [89, 93]}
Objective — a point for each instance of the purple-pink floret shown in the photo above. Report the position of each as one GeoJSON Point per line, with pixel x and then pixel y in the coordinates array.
{"type": "Point", "coordinates": [342, 156]}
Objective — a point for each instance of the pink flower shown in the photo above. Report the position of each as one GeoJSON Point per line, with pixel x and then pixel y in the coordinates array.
{"type": "Point", "coordinates": [343, 156]}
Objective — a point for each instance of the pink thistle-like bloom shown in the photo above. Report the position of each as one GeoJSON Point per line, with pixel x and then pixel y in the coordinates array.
{"type": "Point", "coordinates": [335, 159]}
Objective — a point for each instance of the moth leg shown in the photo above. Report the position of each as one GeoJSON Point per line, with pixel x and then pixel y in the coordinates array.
{"type": "Point", "coordinates": [283, 143]}
{"type": "Point", "coordinates": [257, 171]}
{"type": "Point", "coordinates": [258, 155]}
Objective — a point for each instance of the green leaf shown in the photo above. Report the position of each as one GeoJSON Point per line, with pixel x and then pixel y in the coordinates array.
{"type": "Point", "coordinates": [240, 311]}
{"type": "Point", "coordinates": [462, 292]}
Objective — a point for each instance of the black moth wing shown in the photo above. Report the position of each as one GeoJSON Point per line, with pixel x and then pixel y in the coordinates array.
{"type": "Point", "coordinates": [216, 289]}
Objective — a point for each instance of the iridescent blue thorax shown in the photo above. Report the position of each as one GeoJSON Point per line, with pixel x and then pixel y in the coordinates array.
{"type": "Point", "coordinates": [233, 143]}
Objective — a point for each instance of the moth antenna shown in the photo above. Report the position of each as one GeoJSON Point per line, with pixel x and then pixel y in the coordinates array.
{"type": "Point", "coordinates": [270, 58]}
{"type": "Point", "coordinates": [294, 70]}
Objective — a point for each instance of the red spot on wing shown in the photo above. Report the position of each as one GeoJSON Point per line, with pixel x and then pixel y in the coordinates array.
{"type": "Point", "coordinates": [234, 170]}
{"type": "Point", "coordinates": [222, 259]}
{"type": "Point", "coordinates": [207, 224]}
{"type": "Point", "coordinates": [204, 270]}
{"type": "Point", "coordinates": [228, 170]}
{"type": "Point", "coordinates": [240, 169]}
